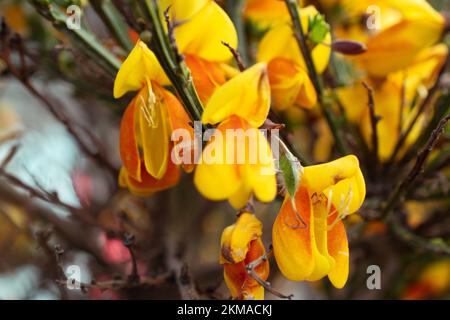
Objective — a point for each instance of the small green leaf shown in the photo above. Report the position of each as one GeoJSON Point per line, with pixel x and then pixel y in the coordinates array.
{"type": "Point", "coordinates": [318, 28]}
{"type": "Point", "coordinates": [291, 169]}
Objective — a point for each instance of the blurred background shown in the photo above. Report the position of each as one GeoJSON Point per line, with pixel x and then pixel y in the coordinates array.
{"type": "Point", "coordinates": [62, 212]}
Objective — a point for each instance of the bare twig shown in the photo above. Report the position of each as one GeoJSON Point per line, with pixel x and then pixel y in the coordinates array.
{"type": "Point", "coordinates": [433, 245]}
{"type": "Point", "coordinates": [404, 185]}
{"type": "Point", "coordinates": [118, 284]}
{"type": "Point", "coordinates": [252, 273]}
{"type": "Point", "coordinates": [236, 55]}
{"type": "Point", "coordinates": [294, 9]}
{"type": "Point", "coordinates": [171, 25]}
{"type": "Point", "coordinates": [431, 93]}
{"type": "Point", "coordinates": [129, 242]}
{"type": "Point", "coordinates": [40, 193]}
{"type": "Point", "coordinates": [73, 129]}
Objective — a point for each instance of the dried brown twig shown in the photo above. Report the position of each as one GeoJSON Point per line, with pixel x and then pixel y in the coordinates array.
{"type": "Point", "coordinates": [405, 185]}
{"type": "Point", "coordinates": [251, 272]}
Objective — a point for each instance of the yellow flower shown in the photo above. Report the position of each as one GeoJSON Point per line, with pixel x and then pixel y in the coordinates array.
{"type": "Point", "coordinates": [241, 244]}
{"type": "Point", "coordinates": [204, 25]}
{"type": "Point", "coordinates": [247, 95]}
{"type": "Point", "coordinates": [238, 160]}
{"type": "Point", "coordinates": [289, 80]}
{"type": "Point", "coordinates": [413, 82]}
{"type": "Point", "coordinates": [406, 28]}
{"type": "Point", "coordinates": [147, 122]}
{"type": "Point", "coordinates": [309, 240]}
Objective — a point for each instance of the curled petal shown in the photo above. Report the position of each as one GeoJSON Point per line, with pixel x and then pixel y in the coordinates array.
{"type": "Point", "coordinates": [236, 238]}
{"type": "Point", "coordinates": [247, 95]}
{"type": "Point", "coordinates": [341, 180]}
{"type": "Point", "coordinates": [241, 244]}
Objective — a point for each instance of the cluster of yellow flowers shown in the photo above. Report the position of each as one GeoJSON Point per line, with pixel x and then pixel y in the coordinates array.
{"type": "Point", "coordinates": [309, 238]}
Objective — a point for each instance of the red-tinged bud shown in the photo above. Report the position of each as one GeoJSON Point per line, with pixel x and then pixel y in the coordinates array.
{"type": "Point", "coordinates": [348, 47]}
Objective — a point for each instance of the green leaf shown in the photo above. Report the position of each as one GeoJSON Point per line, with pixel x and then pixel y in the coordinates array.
{"type": "Point", "coordinates": [291, 169]}
{"type": "Point", "coordinates": [318, 28]}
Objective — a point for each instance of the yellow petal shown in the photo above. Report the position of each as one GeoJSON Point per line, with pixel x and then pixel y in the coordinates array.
{"type": "Point", "coordinates": [338, 249]}
{"type": "Point", "coordinates": [396, 47]}
{"type": "Point", "coordinates": [290, 85]}
{"type": "Point", "coordinates": [247, 95]}
{"type": "Point", "coordinates": [323, 261]}
{"type": "Point", "coordinates": [181, 10]}
{"type": "Point", "coordinates": [202, 34]}
{"type": "Point", "coordinates": [154, 129]}
{"type": "Point", "coordinates": [141, 64]}
{"type": "Point", "coordinates": [214, 178]}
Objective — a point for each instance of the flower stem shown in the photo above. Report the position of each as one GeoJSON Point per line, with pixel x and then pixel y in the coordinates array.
{"type": "Point", "coordinates": [176, 70]}
{"type": "Point", "coordinates": [324, 103]}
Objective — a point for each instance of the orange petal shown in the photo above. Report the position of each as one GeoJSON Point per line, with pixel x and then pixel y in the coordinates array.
{"type": "Point", "coordinates": [149, 185]}
{"type": "Point", "coordinates": [239, 282]}
{"type": "Point", "coordinates": [292, 242]}
{"type": "Point", "coordinates": [129, 152]}
{"type": "Point", "coordinates": [207, 76]}
{"type": "Point", "coordinates": [179, 119]}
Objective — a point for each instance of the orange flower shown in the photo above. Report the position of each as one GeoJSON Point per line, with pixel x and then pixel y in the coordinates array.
{"type": "Point", "coordinates": [241, 245]}
{"type": "Point", "coordinates": [147, 123]}
{"type": "Point", "coordinates": [309, 238]}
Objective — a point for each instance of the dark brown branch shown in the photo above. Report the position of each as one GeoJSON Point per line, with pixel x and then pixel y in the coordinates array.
{"type": "Point", "coordinates": [431, 93]}
{"type": "Point", "coordinates": [404, 185]}
{"type": "Point", "coordinates": [118, 284]}
{"type": "Point", "coordinates": [129, 242]}
{"type": "Point", "coordinates": [171, 26]}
